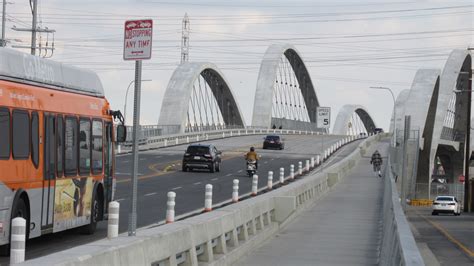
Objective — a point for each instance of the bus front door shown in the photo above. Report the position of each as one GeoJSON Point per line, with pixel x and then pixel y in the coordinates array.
{"type": "Point", "coordinates": [49, 173]}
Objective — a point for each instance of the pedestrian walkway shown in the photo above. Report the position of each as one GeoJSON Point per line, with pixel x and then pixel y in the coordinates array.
{"type": "Point", "coordinates": [343, 228]}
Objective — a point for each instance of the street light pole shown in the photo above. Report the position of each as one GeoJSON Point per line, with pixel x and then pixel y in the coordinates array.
{"type": "Point", "coordinates": [394, 114]}
{"type": "Point", "coordinates": [126, 96]}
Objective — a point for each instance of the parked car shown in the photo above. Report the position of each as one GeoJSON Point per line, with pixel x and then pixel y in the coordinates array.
{"type": "Point", "coordinates": [446, 204]}
{"type": "Point", "coordinates": [202, 156]}
{"type": "Point", "coordinates": [273, 141]}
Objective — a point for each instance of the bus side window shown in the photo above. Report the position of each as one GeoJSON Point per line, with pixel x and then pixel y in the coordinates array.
{"type": "Point", "coordinates": [35, 138]}
{"type": "Point", "coordinates": [84, 147]}
{"type": "Point", "coordinates": [4, 134]}
{"type": "Point", "coordinates": [60, 145]}
{"type": "Point", "coordinates": [21, 134]}
{"type": "Point", "coordinates": [70, 146]}
{"type": "Point", "coordinates": [97, 146]}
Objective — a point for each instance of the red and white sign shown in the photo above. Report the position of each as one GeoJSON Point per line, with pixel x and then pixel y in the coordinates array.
{"type": "Point", "coordinates": [137, 39]}
{"type": "Point", "coordinates": [462, 178]}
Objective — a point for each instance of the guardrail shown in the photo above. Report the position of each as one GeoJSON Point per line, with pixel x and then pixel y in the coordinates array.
{"type": "Point", "coordinates": [219, 237]}
{"type": "Point", "coordinates": [398, 244]}
{"type": "Point", "coordinates": [178, 139]}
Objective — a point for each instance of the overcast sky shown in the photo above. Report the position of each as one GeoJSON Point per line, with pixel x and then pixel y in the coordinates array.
{"type": "Point", "coordinates": [347, 45]}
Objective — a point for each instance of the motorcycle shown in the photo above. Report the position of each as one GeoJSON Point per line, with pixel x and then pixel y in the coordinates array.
{"type": "Point", "coordinates": [251, 167]}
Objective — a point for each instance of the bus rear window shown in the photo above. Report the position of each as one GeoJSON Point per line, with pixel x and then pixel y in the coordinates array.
{"type": "Point", "coordinates": [21, 134]}
{"type": "Point", "coordinates": [4, 133]}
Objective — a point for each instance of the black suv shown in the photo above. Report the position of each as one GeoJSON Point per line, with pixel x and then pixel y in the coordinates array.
{"type": "Point", "coordinates": [273, 141]}
{"type": "Point", "coordinates": [202, 156]}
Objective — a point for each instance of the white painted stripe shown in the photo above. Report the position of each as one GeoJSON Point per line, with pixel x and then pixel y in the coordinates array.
{"type": "Point", "coordinates": [120, 200]}
{"type": "Point", "coordinates": [125, 161]}
{"type": "Point", "coordinates": [214, 179]}
{"type": "Point", "coordinates": [240, 171]}
{"type": "Point", "coordinates": [150, 194]}
{"type": "Point", "coordinates": [142, 159]}
{"type": "Point", "coordinates": [197, 183]}
{"type": "Point", "coordinates": [265, 162]}
{"type": "Point", "coordinates": [176, 188]}
{"type": "Point", "coordinates": [228, 175]}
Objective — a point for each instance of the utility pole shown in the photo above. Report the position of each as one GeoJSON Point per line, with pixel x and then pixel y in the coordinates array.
{"type": "Point", "coordinates": [34, 29]}
{"type": "Point", "coordinates": [185, 39]}
{"type": "Point", "coordinates": [4, 19]}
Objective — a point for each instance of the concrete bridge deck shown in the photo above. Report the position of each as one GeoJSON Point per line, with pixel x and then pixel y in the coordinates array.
{"type": "Point", "coordinates": [343, 228]}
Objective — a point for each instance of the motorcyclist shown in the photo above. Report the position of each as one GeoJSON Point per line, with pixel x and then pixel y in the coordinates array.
{"type": "Point", "coordinates": [252, 156]}
{"type": "Point", "coordinates": [376, 162]}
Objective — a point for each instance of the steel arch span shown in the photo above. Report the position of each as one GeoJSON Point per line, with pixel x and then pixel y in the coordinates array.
{"type": "Point", "coordinates": [352, 120]}
{"type": "Point", "coordinates": [285, 94]}
{"type": "Point", "coordinates": [198, 98]}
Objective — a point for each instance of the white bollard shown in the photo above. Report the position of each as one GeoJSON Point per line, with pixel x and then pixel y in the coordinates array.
{"type": "Point", "coordinates": [113, 222]}
{"type": "Point", "coordinates": [270, 180]}
{"type": "Point", "coordinates": [170, 207]}
{"type": "Point", "coordinates": [119, 149]}
{"type": "Point", "coordinates": [282, 175]}
{"type": "Point", "coordinates": [300, 168]}
{"type": "Point", "coordinates": [318, 159]}
{"type": "Point", "coordinates": [292, 171]}
{"type": "Point", "coordinates": [223, 134]}
{"type": "Point", "coordinates": [197, 138]}
{"type": "Point", "coordinates": [165, 143]}
{"type": "Point", "coordinates": [18, 238]}
{"type": "Point", "coordinates": [207, 137]}
{"type": "Point", "coordinates": [306, 168]}
{"type": "Point", "coordinates": [312, 162]}
{"type": "Point", "coordinates": [254, 185]}
{"type": "Point", "coordinates": [177, 142]}
{"type": "Point", "coordinates": [235, 191]}
{"type": "Point", "coordinates": [187, 139]}
{"type": "Point", "coordinates": [208, 198]}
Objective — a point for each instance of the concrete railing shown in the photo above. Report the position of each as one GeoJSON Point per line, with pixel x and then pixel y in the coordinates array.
{"type": "Point", "coordinates": [178, 139]}
{"type": "Point", "coordinates": [398, 244]}
{"type": "Point", "coordinates": [219, 237]}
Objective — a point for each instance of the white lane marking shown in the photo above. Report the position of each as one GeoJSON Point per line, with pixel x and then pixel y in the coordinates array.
{"type": "Point", "coordinates": [142, 159]}
{"type": "Point", "coordinates": [150, 194]}
{"type": "Point", "coordinates": [197, 183]}
{"type": "Point", "coordinates": [126, 161]}
{"type": "Point", "coordinates": [265, 162]}
{"type": "Point", "coordinates": [176, 188]}
{"type": "Point", "coordinates": [119, 200]}
{"type": "Point", "coordinates": [240, 171]}
{"type": "Point", "coordinates": [214, 179]}
{"type": "Point", "coordinates": [228, 174]}
{"type": "Point", "coordinates": [272, 159]}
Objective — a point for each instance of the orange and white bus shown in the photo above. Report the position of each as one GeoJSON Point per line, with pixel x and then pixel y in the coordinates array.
{"type": "Point", "coordinates": [56, 146]}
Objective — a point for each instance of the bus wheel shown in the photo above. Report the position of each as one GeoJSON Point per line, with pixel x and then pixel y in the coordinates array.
{"type": "Point", "coordinates": [20, 210]}
{"type": "Point", "coordinates": [96, 210]}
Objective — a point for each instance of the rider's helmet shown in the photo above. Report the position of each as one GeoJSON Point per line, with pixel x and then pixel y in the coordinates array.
{"type": "Point", "coordinates": [252, 149]}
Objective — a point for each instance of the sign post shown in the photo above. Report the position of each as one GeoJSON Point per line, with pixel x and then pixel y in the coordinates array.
{"type": "Point", "coordinates": [137, 47]}
{"type": "Point", "coordinates": [323, 120]}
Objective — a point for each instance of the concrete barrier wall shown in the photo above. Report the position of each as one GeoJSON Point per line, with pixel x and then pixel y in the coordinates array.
{"type": "Point", "coordinates": [219, 237]}
{"type": "Point", "coordinates": [178, 139]}
{"type": "Point", "coordinates": [398, 243]}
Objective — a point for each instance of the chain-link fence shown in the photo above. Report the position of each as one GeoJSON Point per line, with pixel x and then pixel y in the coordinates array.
{"type": "Point", "coordinates": [439, 189]}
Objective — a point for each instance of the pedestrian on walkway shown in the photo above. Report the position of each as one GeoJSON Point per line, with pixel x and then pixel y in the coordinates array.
{"type": "Point", "coordinates": [376, 162]}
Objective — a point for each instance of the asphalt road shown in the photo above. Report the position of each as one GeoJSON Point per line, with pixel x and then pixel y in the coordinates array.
{"type": "Point", "coordinates": [160, 172]}
{"type": "Point", "coordinates": [450, 238]}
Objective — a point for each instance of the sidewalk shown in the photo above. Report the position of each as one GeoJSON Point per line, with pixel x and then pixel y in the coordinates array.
{"type": "Point", "coordinates": [343, 228]}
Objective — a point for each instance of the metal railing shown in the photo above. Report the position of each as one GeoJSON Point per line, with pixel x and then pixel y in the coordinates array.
{"type": "Point", "coordinates": [440, 189]}
{"type": "Point", "coordinates": [398, 244]}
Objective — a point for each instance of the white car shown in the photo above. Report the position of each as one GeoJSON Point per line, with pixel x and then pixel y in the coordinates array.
{"type": "Point", "coordinates": [446, 204]}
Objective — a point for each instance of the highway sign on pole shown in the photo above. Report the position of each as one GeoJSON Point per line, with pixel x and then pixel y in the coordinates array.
{"type": "Point", "coordinates": [323, 117]}
{"type": "Point", "coordinates": [137, 39]}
